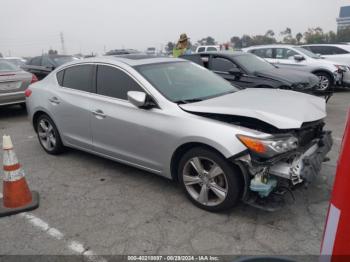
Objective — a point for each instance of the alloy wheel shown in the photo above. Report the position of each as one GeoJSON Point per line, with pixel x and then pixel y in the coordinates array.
{"type": "Point", "coordinates": [205, 181]}
{"type": "Point", "coordinates": [47, 135]}
{"type": "Point", "coordinates": [324, 82]}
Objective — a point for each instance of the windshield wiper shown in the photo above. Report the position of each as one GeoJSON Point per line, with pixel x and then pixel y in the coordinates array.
{"type": "Point", "coordinates": [186, 101]}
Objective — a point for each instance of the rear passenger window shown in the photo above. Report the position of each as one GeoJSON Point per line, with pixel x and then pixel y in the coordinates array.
{"type": "Point", "coordinates": [115, 83]}
{"type": "Point", "coordinates": [79, 78]}
{"type": "Point", "coordinates": [59, 76]}
{"type": "Point", "coordinates": [264, 52]}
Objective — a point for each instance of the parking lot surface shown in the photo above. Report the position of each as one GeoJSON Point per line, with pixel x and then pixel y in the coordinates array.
{"type": "Point", "coordinates": [90, 205]}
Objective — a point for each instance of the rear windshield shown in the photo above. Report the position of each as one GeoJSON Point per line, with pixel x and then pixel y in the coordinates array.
{"type": "Point", "coordinates": [6, 66]}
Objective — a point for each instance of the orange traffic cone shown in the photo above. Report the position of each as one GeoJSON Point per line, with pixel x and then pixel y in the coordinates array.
{"type": "Point", "coordinates": [16, 194]}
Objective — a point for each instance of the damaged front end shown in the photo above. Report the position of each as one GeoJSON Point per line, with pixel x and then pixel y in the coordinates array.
{"type": "Point", "coordinates": [278, 164]}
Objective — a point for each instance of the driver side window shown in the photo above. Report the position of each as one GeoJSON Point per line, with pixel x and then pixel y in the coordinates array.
{"type": "Point", "coordinates": [220, 64]}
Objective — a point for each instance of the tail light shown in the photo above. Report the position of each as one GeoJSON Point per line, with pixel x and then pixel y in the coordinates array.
{"type": "Point", "coordinates": [28, 92]}
{"type": "Point", "coordinates": [34, 79]}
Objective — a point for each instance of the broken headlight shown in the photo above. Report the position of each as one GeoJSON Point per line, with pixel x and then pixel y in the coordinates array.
{"type": "Point", "coordinates": [271, 146]}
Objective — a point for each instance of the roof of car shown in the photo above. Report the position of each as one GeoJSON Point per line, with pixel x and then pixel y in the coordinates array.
{"type": "Point", "coordinates": [340, 45]}
{"type": "Point", "coordinates": [131, 60]}
{"type": "Point", "coordinates": [270, 46]}
{"type": "Point", "coordinates": [225, 53]}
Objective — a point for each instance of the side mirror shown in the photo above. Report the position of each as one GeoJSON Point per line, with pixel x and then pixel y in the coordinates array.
{"type": "Point", "coordinates": [236, 72]}
{"type": "Point", "coordinates": [140, 99]}
{"type": "Point", "coordinates": [299, 58]}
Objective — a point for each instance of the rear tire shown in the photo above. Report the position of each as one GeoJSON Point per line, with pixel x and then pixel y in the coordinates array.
{"type": "Point", "coordinates": [48, 135]}
{"type": "Point", "coordinates": [209, 180]}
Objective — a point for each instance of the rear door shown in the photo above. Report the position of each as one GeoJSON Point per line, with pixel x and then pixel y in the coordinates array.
{"type": "Point", "coordinates": [266, 53]}
{"type": "Point", "coordinates": [70, 104]}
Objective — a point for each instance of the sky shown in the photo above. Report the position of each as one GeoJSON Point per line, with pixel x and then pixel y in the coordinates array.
{"type": "Point", "coordinates": [30, 27]}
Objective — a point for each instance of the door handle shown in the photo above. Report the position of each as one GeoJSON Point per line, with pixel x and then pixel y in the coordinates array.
{"type": "Point", "coordinates": [54, 100]}
{"type": "Point", "coordinates": [99, 113]}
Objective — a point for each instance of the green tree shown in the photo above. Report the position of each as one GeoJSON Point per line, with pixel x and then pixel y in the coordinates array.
{"type": "Point", "coordinates": [207, 41]}
{"type": "Point", "coordinates": [169, 46]}
{"type": "Point", "coordinates": [52, 52]}
{"type": "Point", "coordinates": [270, 33]}
{"type": "Point", "coordinates": [298, 37]}
{"type": "Point", "coordinates": [236, 42]}
{"type": "Point", "coordinates": [247, 41]}
{"type": "Point", "coordinates": [315, 36]}
{"type": "Point", "coordinates": [288, 37]}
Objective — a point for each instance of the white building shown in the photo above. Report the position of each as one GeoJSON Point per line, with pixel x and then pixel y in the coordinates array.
{"type": "Point", "coordinates": [344, 17]}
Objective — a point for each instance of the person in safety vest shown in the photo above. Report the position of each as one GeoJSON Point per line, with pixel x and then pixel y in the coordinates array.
{"type": "Point", "coordinates": [181, 47]}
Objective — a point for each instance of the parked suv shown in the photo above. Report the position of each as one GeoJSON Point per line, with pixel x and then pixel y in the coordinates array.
{"type": "Point", "coordinates": [177, 119]}
{"type": "Point", "coordinates": [338, 53]}
{"type": "Point", "coordinates": [41, 66]}
{"type": "Point", "coordinates": [329, 73]}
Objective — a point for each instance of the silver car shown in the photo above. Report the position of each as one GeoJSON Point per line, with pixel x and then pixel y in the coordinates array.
{"type": "Point", "coordinates": [179, 120]}
{"type": "Point", "coordinates": [13, 82]}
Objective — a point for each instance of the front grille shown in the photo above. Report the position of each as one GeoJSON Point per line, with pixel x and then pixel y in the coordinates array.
{"type": "Point", "coordinates": [309, 131]}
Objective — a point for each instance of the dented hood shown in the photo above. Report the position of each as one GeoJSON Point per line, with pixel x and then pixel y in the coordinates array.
{"type": "Point", "coordinates": [281, 108]}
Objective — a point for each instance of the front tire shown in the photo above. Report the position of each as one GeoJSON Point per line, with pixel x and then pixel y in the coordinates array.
{"type": "Point", "coordinates": [48, 135]}
{"type": "Point", "coordinates": [209, 180]}
{"type": "Point", "coordinates": [325, 81]}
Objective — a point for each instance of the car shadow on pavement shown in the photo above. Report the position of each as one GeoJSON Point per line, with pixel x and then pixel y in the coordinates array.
{"type": "Point", "coordinates": [114, 172]}
{"type": "Point", "coordinates": [14, 111]}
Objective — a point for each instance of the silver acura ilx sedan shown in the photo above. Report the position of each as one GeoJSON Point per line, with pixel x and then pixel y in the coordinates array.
{"type": "Point", "coordinates": [176, 119]}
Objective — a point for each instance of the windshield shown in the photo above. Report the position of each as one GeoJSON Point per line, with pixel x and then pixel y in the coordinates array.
{"type": "Point", "coordinates": [253, 63]}
{"type": "Point", "coordinates": [64, 59]}
{"type": "Point", "coordinates": [185, 81]}
{"type": "Point", "coordinates": [6, 66]}
{"type": "Point", "coordinates": [307, 52]}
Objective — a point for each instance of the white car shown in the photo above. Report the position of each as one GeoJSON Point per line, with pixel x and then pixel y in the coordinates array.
{"type": "Point", "coordinates": [207, 48]}
{"type": "Point", "coordinates": [17, 61]}
{"type": "Point", "coordinates": [329, 73]}
{"type": "Point", "coordinates": [338, 53]}
{"type": "Point", "coordinates": [151, 51]}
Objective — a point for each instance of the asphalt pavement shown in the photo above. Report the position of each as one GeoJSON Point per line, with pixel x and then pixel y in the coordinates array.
{"type": "Point", "coordinates": [90, 205]}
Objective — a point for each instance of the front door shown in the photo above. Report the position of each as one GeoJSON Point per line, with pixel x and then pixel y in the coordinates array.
{"type": "Point", "coordinates": [121, 130]}
{"type": "Point", "coordinates": [222, 66]}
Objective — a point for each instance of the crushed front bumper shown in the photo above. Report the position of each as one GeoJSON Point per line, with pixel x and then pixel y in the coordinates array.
{"type": "Point", "coordinates": [299, 167]}
{"type": "Point", "coordinates": [306, 165]}
{"type": "Point", "coordinates": [302, 165]}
